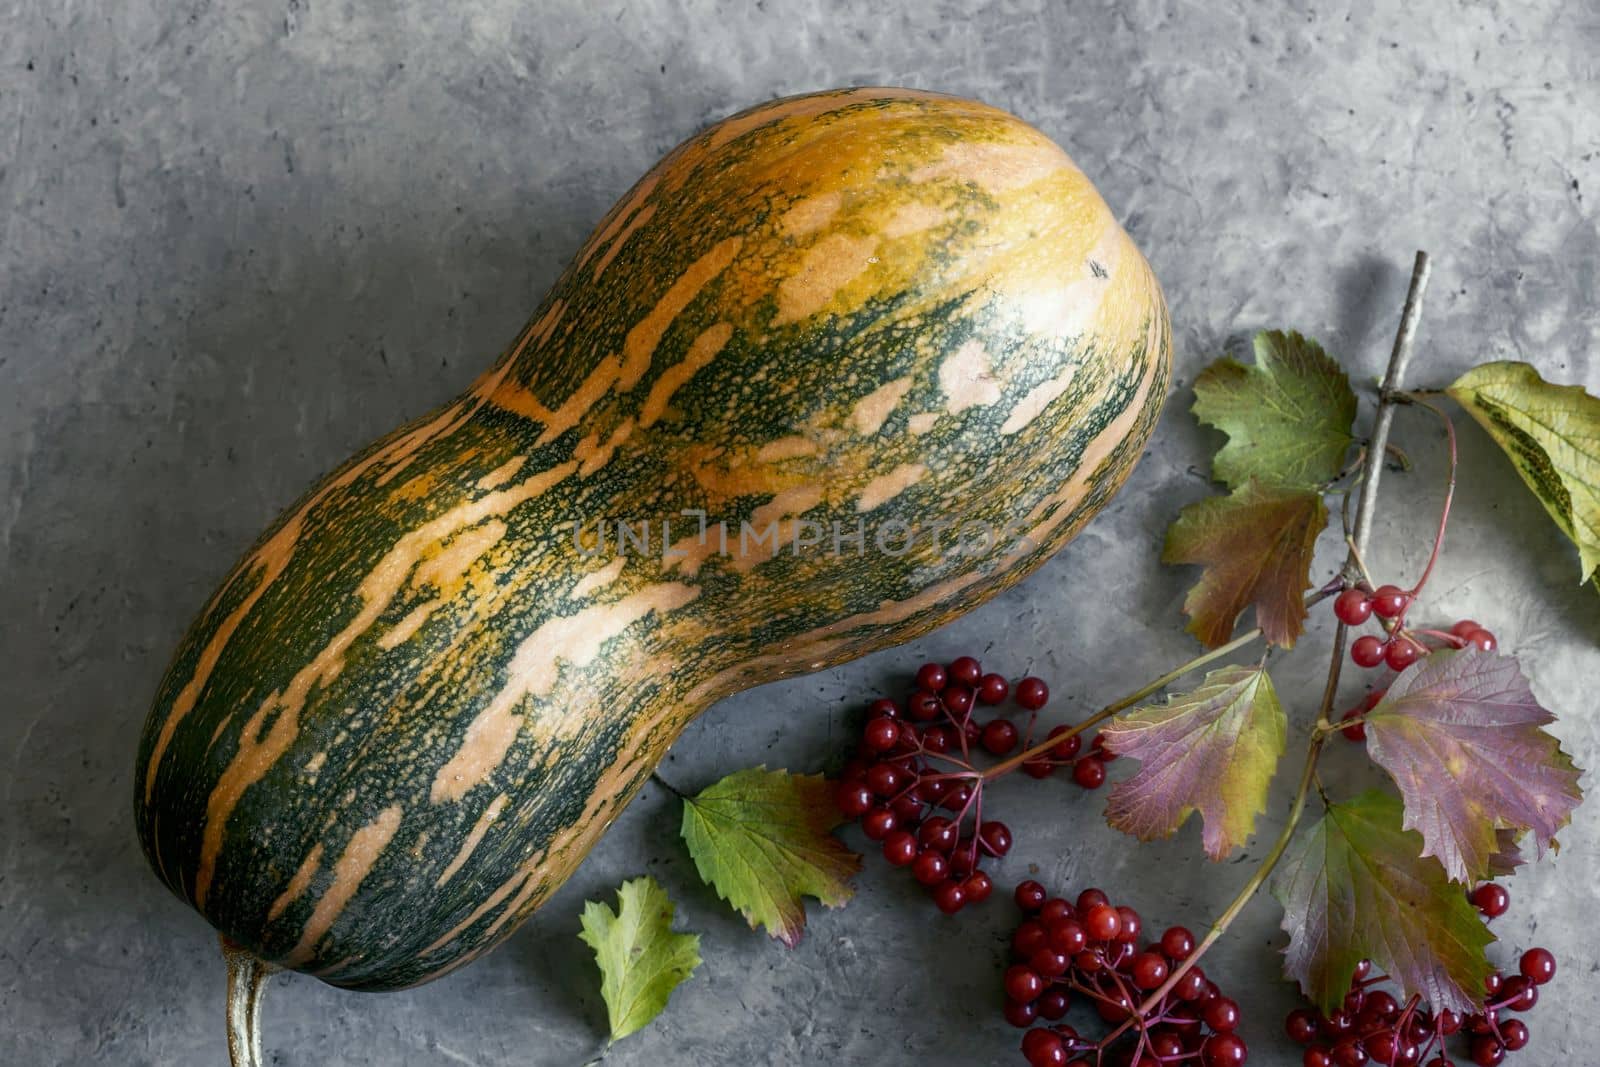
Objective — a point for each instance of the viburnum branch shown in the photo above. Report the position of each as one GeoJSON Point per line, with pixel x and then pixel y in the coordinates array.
{"type": "Point", "coordinates": [1389, 396]}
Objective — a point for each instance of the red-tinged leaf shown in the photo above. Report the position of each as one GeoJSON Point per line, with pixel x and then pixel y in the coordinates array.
{"type": "Point", "coordinates": [1459, 731]}
{"type": "Point", "coordinates": [761, 839]}
{"type": "Point", "coordinates": [1213, 751]}
{"type": "Point", "coordinates": [1356, 887]}
{"type": "Point", "coordinates": [1255, 545]}
{"type": "Point", "coordinates": [1507, 855]}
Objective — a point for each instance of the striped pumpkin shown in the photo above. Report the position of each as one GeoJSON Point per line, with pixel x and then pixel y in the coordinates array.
{"type": "Point", "coordinates": [418, 701]}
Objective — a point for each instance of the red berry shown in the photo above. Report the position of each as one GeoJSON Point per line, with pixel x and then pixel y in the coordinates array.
{"type": "Point", "coordinates": [1465, 627]}
{"type": "Point", "coordinates": [1068, 747]}
{"type": "Point", "coordinates": [1222, 1015]}
{"type": "Point", "coordinates": [1032, 693]}
{"type": "Point", "coordinates": [958, 699]}
{"type": "Point", "coordinates": [992, 689]}
{"type": "Point", "coordinates": [1054, 1004]}
{"type": "Point", "coordinates": [1020, 1013]}
{"type": "Point", "coordinates": [1148, 970]}
{"type": "Point", "coordinates": [884, 779]}
{"type": "Point", "coordinates": [1088, 899]}
{"type": "Point", "coordinates": [995, 838]}
{"type": "Point", "coordinates": [1048, 963]}
{"type": "Point", "coordinates": [907, 809]}
{"type": "Point", "coordinates": [1022, 983]}
{"type": "Point", "coordinates": [930, 868]}
{"type": "Point", "coordinates": [1349, 1053]}
{"type": "Point", "coordinates": [1089, 773]}
{"type": "Point", "coordinates": [923, 706]}
{"type": "Point", "coordinates": [1301, 1026]}
{"type": "Point", "coordinates": [1381, 1046]}
{"type": "Point", "coordinates": [949, 897]}
{"type": "Point", "coordinates": [1191, 986]}
{"type": "Point", "coordinates": [1538, 965]}
{"type": "Point", "coordinates": [1176, 943]}
{"type": "Point", "coordinates": [1042, 1048]}
{"type": "Point", "coordinates": [1223, 1050]}
{"type": "Point", "coordinates": [1097, 749]}
{"type": "Point", "coordinates": [900, 848]}
{"type": "Point", "coordinates": [878, 824]}
{"type": "Point", "coordinates": [999, 736]}
{"type": "Point", "coordinates": [1514, 1032]}
{"type": "Point", "coordinates": [1401, 653]}
{"type": "Point", "coordinates": [1487, 1050]}
{"type": "Point", "coordinates": [1316, 1057]}
{"type": "Point", "coordinates": [1029, 938]}
{"type": "Point", "coordinates": [976, 887]}
{"type": "Point", "coordinates": [1449, 1021]}
{"type": "Point", "coordinates": [964, 669]}
{"type": "Point", "coordinates": [1367, 651]}
{"type": "Point", "coordinates": [854, 799]}
{"type": "Point", "coordinates": [1353, 607]}
{"type": "Point", "coordinates": [1038, 768]}
{"type": "Point", "coordinates": [1102, 922]}
{"type": "Point", "coordinates": [883, 708]}
{"type": "Point", "coordinates": [1056, 910]}
{"type": "Point", "coordinates": [1116, 1007]}
{"type": "Point", "coordinates": [1068, 936]}
{"type": "Point", "coordinates": [938, 834]}
{"type": "Point", "coordinates": [1380, 1005]}
{"type": "Point", "coordinates": [932, 677]}
{"type": "Point", "coordinates": [1389, 601]}
{"type": "Point", "coordinates": [1131, 924]}
{"type": "Point", "coordinates": [1030, 896]}
{"type": "Point", "coordinates": [1356, 731]}
{"type": "Point", "coordinates": [1491, 899]}
{"type": "Point", "coordinates": [1482, 640]}
{"type": "Point", "coordinates": [1520, 994]}
{"type": "Point", "coordinates": [880, 734]}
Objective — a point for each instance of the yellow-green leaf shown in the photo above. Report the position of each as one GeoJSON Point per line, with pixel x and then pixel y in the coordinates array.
{"type": "Point", "coordinates": [762, 840]}
{"type": "Point", "coordinates": [1213, 750]}
{"type": "Point", "coordinates": [1287, 418]}
{"type": "Point", "coordinates": [641, 960]}
{"type": "Point", "coordinates": [1552, 435]}
{"type": "Point", "coordinates": [1357, 887]}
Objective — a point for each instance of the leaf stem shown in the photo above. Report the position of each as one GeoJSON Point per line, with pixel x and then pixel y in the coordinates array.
{"type": "Point", "coordinates": [1137, 696]}
{"type": "Point", "coordinates": [1389, 396]}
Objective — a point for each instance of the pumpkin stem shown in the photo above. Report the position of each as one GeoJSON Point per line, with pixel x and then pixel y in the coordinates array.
{"type": "Point", "coordinates": [247, 977]}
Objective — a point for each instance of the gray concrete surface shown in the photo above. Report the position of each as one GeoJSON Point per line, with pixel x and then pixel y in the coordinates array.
{"type": "Point", "coordinates": [239, 240]}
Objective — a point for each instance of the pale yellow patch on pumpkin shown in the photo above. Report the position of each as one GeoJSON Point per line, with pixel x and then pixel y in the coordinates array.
{"type": "Point", "coordinates": [873, 410]}
{"type": "Point", "coordinates": [886, 487]}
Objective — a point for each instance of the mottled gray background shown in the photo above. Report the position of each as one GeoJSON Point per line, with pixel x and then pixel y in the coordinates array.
{"type": "Point", "coordinates": [237, 241]}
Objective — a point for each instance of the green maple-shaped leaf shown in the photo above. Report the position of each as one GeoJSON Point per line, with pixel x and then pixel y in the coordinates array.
{"type": "Point", "coordinates": [1287, 418]}
{"type": "Point", "coordinates": [641, 960]}
{"type": "Point", "coordinates": [1356, 887]}
{"type": "Point", "coordinates": [1213, 750]}
{"type": "Point", "coordinates": [1256, 546]}
{"type": "Point", "coordinates": [762, 839]}
{"type": "Point", "coordinates": [1552, 435]}
{"type": "Point", "coordinates": [1460, 733]}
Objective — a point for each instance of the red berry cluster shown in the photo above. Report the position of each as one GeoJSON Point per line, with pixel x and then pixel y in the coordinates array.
{"type": "Point", "coordinates": [1373, 1027]}
{"type": "Point", "coordinates": [1088, 950]}
{"type": "Point", "coordinates": [1398, 647]}
{"type": "Point", "coordinates": [916, 758]}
